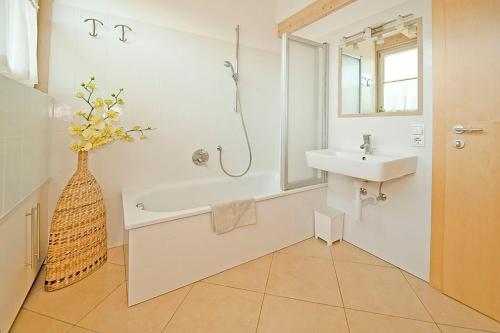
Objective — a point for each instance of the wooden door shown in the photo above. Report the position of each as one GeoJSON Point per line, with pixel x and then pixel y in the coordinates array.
{"type": "Point", "coordinates": [465, 262]}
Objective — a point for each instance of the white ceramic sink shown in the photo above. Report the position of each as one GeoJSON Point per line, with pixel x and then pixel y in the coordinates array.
{"type": "Point", "coordinates": [374, 167]}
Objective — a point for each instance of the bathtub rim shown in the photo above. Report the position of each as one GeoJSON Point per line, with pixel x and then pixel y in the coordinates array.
{"type": "Point", "coordinates": [134, 218]}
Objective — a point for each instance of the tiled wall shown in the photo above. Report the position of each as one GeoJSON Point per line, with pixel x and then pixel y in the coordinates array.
{"type": "Point", "coordinates": [24, 141]}
{"type": "Point", "coordinates": [174, 81]}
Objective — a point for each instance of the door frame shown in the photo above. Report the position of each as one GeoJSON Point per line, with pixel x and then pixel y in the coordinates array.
{"type": "Point", "coordinates": [438, 144]}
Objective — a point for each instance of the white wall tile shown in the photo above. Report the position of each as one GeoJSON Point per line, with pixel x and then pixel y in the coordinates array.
{"type": "Point", "coordinates": [174, 81]}
{"type": "Point", "coordinates": [24, 145]}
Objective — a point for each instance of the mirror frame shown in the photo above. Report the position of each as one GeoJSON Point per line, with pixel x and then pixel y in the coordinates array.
{"type": "Point", "coordinates": [419, 112]}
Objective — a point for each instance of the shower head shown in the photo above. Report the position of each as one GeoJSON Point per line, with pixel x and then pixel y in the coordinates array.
{"type": "Point", "coordinates": [228, 64]}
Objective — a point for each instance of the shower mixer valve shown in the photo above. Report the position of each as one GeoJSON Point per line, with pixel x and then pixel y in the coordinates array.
{"type": "Point", "coordinates": [200, 157]}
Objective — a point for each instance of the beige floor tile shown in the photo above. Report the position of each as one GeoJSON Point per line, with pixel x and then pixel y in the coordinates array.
{"type": "Point", "coordinates": [30, 322]}
{"type": "Point", "coordinates": [311, 247]}
{"type": "Point", "coordinates": [304, 278]}
{"type": "Point", "coordinates": [344, 251]}
{"type": "Point", "coordinates": [72, 303]}
{"type": "Point", "coordinates": [452, 329]}
{"type": "Point", "coordinates": [115, 255]}
{"type": "Point", "coordinates": [113, 314]}
{"type": "Point", "coordinates": [286, 315]}
{"type": "Point", "coordinates": [378, 289]}
{"type": "Point", "coordinates": [364, 322]}
{"type": "Point", "coordinates": [446, 310]}
{"type": "Point", "coordinates": [211, 308]}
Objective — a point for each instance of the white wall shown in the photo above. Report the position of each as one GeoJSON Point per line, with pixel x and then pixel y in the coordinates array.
{"type": "Point", "coordinates": [212, 18]}
{"type": "Point", "coordinates": [397, 230]}
{"type": "Point", "coordinates": [24, 142]}
{"type": "Point", "coordinates": [174, 81]}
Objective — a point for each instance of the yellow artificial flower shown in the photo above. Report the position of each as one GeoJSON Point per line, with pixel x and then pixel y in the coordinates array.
{"type": "Point", "coordinates": [112, 115]}
{"type": "Point", "coordinates": [89, 132]}
{"type": "Point", "coordinates": [76, 129]}
{"type": "Point", "coordinates": [74, 146]}
{"type": "Point", "coordinates": [96, 127]}
{"type": "Point", "coordinates": [85, 145]}
{"type": "Point", "coordinates": [119, 132]}
{"type": "Point", "coordinates": [97, 122]}
{"type": "Point", "coordinates": [98, 103]}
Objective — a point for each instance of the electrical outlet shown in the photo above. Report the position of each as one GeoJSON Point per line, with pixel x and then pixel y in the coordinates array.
{"type": "Point", "coordinates": [417, 140]}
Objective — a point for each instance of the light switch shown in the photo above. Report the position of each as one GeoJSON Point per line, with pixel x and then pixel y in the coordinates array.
{"type": "Point", "coordinates": [417, 129]}
{"type": "Point", "coordinates": [417, 138]}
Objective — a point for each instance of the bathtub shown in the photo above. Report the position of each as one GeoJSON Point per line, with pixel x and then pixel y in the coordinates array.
{"type": "Point", "coordinates": [169, 242]}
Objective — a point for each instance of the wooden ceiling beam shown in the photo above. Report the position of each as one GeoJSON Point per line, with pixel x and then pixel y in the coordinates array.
{"type": "Point", "coordinates": [310, 14]}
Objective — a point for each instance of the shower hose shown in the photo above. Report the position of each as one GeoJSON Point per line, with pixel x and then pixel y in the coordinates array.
{"type": "Point", "coordinates": [219, 148]}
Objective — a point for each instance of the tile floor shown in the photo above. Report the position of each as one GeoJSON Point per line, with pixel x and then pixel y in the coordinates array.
{"type": "Point", "coordinates": [306, 287]}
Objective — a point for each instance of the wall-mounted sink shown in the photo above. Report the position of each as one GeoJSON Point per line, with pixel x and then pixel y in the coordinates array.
{"type": "Point", "coordinates": [373, 167]}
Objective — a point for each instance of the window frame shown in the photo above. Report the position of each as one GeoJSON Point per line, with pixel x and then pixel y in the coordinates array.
{"type": "Point", "coordinates": [381, 74]}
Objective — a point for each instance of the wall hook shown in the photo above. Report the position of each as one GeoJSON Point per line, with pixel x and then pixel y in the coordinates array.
{"type": "Point", "coordinates": [94, 20]}
{"type": "Point", "coordinates": [123, 26]}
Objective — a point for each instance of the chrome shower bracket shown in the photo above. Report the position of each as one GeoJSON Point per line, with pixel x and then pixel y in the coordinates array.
{"type": "Point", "coordinates": [93, 33]}
{"type": "Point", "coordinates": [123, 26]}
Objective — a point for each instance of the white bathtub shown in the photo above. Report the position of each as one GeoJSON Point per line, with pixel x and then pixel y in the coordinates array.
{"type": "Point", "coordinates": [170, 243]}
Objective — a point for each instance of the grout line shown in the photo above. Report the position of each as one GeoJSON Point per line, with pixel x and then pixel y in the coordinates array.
{"type": "Point", "coordinates": [365, 263]}
{"type": "Point", "coordinates": [177, 308]}
{"type": "Point", "coordinates": [478, 330]}
{"type": "Point", "coordinates": [46, 316]}
{"type": "Point", "coordinates": [303, 300]}
{"type": "Point", "coordinates": [421, 302]}
{"type": "Point", "coordinates": [330, 249]}
{"type": "Point", "coordinates": [391, 315]}
{"type": "Point", "coordinates": [83, 328]}
{"type": "Point", "coordinates": [98, 303]}
{"type": "Point", "coordinates": [264, 296]}
{"type": "Point", "coordinates": [231, 287]}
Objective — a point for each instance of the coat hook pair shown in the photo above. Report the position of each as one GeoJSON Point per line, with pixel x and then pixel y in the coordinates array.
{"type": "Point", "coordinates": [93, 33]}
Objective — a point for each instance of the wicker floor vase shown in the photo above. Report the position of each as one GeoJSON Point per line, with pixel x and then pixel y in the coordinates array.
{"type": "Point", "coordinates": [77, 242]}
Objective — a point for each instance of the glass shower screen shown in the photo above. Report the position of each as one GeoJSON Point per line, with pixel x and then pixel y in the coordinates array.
{"type": "Point", "coordinates": [304, 109]}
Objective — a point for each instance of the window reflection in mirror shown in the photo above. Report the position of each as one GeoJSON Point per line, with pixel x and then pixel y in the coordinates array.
{"type": "Point", "coordinates": [381, 75]}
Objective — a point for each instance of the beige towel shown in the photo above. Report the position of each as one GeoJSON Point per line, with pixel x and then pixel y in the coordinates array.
{"type": "Point", "coordinates": [231, 215]}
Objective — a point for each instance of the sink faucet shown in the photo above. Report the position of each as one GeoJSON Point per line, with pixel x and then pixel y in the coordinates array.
{"type": "Point", "coordinates": [367, 146]}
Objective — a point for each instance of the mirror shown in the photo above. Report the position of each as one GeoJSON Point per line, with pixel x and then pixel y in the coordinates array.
{"type": "Point", "coordinates": [381, 75]}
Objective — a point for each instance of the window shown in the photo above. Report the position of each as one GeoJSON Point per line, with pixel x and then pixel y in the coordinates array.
{"type": "Point", "coordinates": [18, 40]}
{"type": "Point", "coordinates": [398, 72]}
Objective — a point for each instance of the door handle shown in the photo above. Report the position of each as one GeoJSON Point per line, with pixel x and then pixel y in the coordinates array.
{"type": "Point", "coordinates": [460, 129]}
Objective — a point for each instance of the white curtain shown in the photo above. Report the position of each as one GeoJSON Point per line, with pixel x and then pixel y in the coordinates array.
{"type": "Point", "coordinates": [19, 31]}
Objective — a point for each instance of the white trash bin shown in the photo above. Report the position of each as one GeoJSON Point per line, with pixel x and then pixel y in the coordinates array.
{"type": "Point", "coordinates": [329, 224]}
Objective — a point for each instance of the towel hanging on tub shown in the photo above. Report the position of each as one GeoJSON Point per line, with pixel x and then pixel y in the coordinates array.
{"type": "Point", "coordinates": [231, 215]}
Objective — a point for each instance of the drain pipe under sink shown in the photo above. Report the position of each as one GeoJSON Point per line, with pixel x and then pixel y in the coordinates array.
{"type": "Point", "coordinates": [362, 197]}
